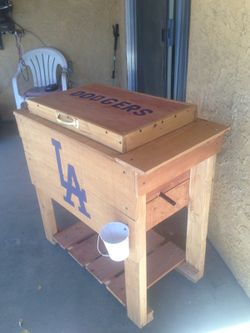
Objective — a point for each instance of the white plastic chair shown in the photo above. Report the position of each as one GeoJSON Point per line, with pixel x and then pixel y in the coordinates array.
{"type": "Point", "coordinates": [43, 64]}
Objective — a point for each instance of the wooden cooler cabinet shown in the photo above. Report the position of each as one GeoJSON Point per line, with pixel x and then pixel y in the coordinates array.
{"type": "Point", "coordinates": [106, 154]}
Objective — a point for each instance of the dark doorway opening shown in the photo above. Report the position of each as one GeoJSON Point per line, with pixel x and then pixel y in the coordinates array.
{"type": "Point", "coordinates": [158, 35]}
{"type": "Point", "coordinates": [151, 46]}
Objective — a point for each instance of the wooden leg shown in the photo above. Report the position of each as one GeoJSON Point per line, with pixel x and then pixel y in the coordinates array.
{"type": "Point", "coordinates": [48, 215]}
{"type": "Point", "coordinates": [200, 189]}
{"type": "Point", "coordinates": [136, 270]}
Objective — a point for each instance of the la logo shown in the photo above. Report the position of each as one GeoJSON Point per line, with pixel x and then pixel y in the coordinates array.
{"type": "Point", "coordinates": [71, 185]}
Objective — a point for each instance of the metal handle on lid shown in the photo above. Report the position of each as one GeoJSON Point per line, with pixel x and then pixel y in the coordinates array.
{"type": "Point", "coordinates": [67, 120]}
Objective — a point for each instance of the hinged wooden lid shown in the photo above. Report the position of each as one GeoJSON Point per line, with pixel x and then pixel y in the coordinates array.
{"type": "Point", "coordinates": [118, 118]}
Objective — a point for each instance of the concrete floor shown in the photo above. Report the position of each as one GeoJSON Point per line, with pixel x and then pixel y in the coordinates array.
{"type": "Point", "coordinates": [41, 286]}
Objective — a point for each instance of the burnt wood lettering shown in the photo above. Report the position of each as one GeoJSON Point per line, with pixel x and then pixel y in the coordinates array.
{"type": "Point", "coordinates": [136, 110]}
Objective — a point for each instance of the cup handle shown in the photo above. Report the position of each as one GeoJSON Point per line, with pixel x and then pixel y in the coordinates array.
{"type": "Point", "coordinates": [98, 247]}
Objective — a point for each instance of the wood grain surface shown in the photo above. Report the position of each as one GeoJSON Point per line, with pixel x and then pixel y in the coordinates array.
{"type": "Point", "coordinates": [120, 119]}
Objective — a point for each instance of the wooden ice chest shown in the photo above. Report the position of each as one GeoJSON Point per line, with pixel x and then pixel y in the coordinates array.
{"type": "Point", "coordinates": [106, 154]}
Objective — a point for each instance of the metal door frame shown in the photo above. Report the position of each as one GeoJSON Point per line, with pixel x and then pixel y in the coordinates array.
{"type": "Point", "coordinates": [131, 44]}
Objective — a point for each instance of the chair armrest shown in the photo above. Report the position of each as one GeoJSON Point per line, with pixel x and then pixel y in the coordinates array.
{"type": "Point", "coordinates": [15, 83]}
{"type": "Point", "coordinates": [64, 79]}
{"type": "Point", "coordinates": [18, 97]}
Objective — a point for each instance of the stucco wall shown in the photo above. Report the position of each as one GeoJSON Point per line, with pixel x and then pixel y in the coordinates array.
{"type": "Point", "coordinates": [81, 29]}
{"type": "Point", "coordinates": [219, 82]}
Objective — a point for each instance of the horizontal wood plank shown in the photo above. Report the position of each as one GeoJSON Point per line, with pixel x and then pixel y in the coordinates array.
{"type": "Point", "coordinates": [162, 261]}
{"type": "Point", "coordinates": [169, 170]}
{"type": "Point", "coordinates": [117, 288]}
{"type": "Point", "coordinates": [85, 252]}
{"type": "Point", "coordinates": [104, 269]}
{"type": "Point", "coordinates": [189, 271]}
{"type": "Point", "coordinates": [72, 235]}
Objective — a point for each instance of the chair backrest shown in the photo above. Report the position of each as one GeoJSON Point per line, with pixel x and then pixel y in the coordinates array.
{"type": "Point", "coordinates": [43, 63]}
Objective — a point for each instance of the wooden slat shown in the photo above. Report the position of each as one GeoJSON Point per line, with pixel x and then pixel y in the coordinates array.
{"type": "Point", "coordinates": [85, 252]}
{"type": "Point", "coordinates": [159, 263]}
{"type": "Point", "coordinates": [117, 288]}
{"type": "Point", "coordinates": [180, 164]}
{"type": "Point", "coordinates": [162, 261]}
{"type": "Point", "coordinates": [158, 209]}
{"type": "Point", "coordinates": [104, 269]}
{"type": "Point", "coordinates": [72, 235]}
{"type": "Point", "coordinates": [189, 271]}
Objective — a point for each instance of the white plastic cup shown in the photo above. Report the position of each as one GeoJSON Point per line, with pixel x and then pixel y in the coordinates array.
{"type": "Point", "coordinates": [115, 236]}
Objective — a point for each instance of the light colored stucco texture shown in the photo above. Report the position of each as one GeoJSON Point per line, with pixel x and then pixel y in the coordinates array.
{"type": "Point", "coordinates": [81, 29]}
{"type": "Point", "coordinates": [219, 82]}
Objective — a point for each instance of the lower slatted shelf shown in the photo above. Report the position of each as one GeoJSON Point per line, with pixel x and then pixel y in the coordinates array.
{"type": "Point", "coordinates": [159, 263]}
{"type": "Point", "coordinates": [80, 241]}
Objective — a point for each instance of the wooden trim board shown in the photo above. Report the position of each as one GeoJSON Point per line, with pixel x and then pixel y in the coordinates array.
{"type": "Point", "coordinates": [150, 181]}
{"type": "Point", "coordinates": [165, 149]}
